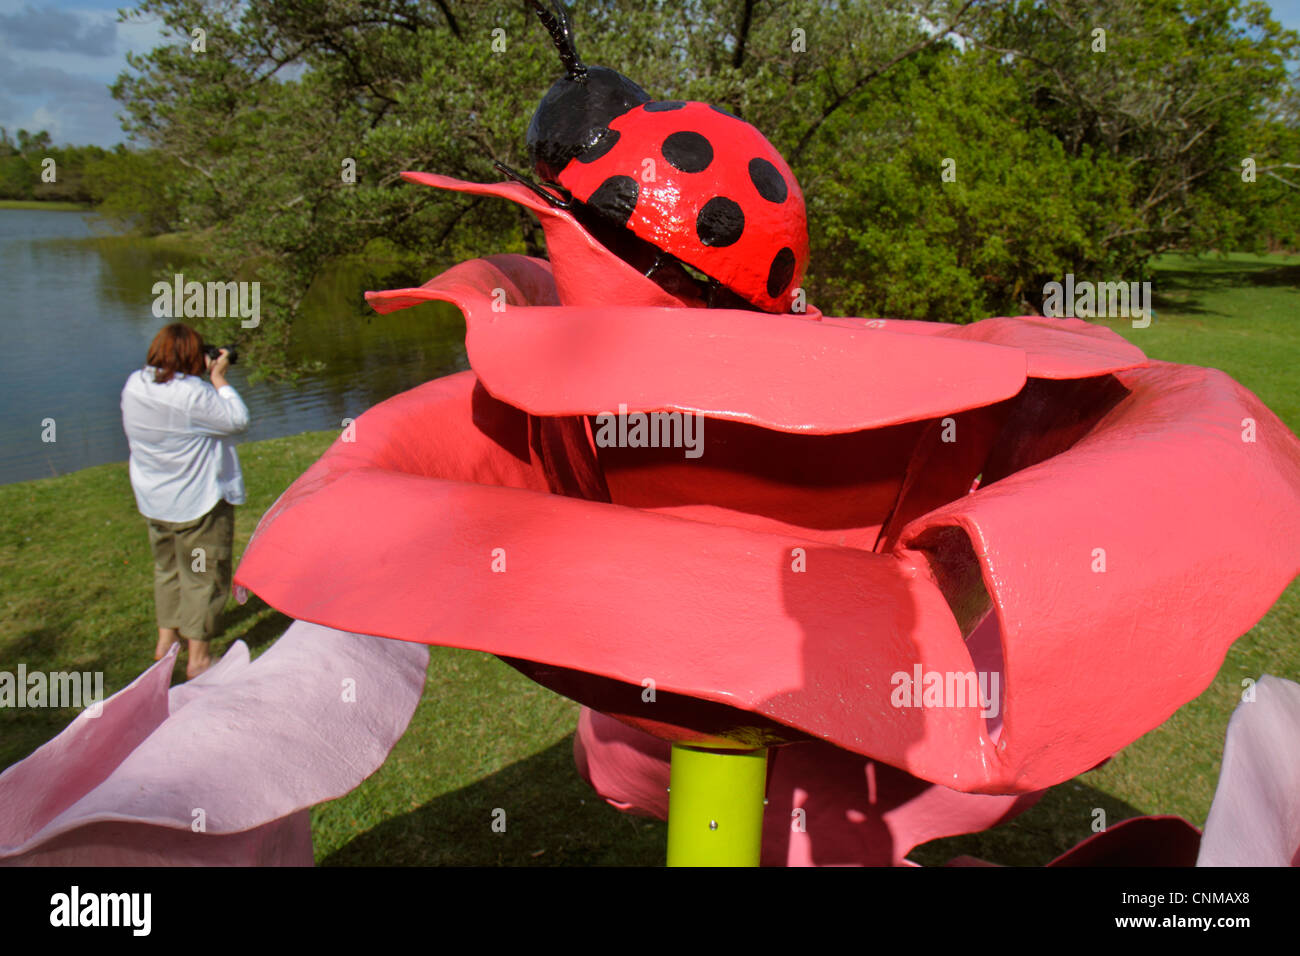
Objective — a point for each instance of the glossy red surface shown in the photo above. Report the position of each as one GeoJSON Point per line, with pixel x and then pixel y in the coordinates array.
{"type": "Point", "coordinates": [670, 200]}
{"type": "Point", "coordinates": [824, 542]}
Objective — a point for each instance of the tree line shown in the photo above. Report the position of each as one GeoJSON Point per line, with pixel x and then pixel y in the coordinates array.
{"type": "Point", "coordinates": [32, 168]}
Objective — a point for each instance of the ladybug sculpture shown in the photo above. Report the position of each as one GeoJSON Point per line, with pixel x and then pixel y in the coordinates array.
{"type": "Point", "coordinates": [689, 194]}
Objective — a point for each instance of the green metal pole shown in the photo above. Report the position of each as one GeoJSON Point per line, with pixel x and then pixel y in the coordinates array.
{"type": "Point", "coordinates": [715, 806]}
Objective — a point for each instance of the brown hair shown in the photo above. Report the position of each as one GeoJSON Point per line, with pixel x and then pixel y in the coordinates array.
{"type": "Point", "coordinates": [176, 348]}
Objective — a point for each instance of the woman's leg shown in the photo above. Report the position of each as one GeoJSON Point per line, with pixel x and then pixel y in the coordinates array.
{"type": "Point", "coordinates": [200, 659]}
{"type": "Point", "coordinates": [166, 585]}
{"type": "Point", "coordinates": [167, 636]}
{"type": "Point", "coordinates": [205, 565]}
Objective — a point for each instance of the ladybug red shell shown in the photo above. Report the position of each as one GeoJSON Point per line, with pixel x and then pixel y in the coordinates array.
{"type": "Point", "coordinates": [705, 186]}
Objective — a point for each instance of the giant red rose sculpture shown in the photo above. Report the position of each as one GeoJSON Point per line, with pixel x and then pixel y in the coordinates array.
{"type": "Point", "coordinates": [824, 541]}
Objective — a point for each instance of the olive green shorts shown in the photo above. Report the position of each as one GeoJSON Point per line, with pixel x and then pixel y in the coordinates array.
{"type": "Point", "coordinates": [191, 570]}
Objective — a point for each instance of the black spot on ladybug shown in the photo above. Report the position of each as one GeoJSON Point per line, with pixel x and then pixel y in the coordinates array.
{"type": "Point", "coordinates": [663, 106]}
{"type": "Point", "coordinates": [782, 271]}
{"type": "Point", "coordinates": [720, 222]}
{"type": "Point", "coordinates": [690, 152]}
{"type": "Point", "coordinates": [615, 198]}
{"type": "Point", "coordinates": [767, 180]}
{"type": "Point", "coordinates": [719, 109]}
{"type": "Point", "coordinates": [600, 141]}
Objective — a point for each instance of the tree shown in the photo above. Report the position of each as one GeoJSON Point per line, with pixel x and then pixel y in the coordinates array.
{"type": "Point", "coordinates": [32, 143]}
{"type": "Point", "coordinates": [1065, 159]}
{"type": "Point", "coordinates": [1168, 97]}
{"type": "Point", "coordinates": [137, 189]}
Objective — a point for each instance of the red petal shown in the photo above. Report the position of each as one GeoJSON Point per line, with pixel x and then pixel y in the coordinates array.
{"type": "Point", "coordinates": [1055, 348]}
{"type": "Point", "coordinates": [713, 613]}
{"type": "Point", "coordinates": [586, 273]}
{"type": "Point", "coordinates": [1199, 532]}
{"type": "Point", "coordinates": [782, 372]}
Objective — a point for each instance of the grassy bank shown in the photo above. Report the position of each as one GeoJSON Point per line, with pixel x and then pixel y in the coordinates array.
{"type": "Point", "coordinates": [52, 206]}
{"type": "Point", "coordinates": [76, 572]}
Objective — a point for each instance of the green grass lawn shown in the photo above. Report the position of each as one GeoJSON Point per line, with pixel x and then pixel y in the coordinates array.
{"type": "Point", "coordinates": [77, 584]}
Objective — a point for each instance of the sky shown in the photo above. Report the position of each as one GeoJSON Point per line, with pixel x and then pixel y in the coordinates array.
{"type": "Point", "coordinates": [58, 58]}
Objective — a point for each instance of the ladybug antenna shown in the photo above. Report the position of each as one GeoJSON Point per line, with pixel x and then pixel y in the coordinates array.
{"type": "Point", "coordinates": [556, 201]}
{"type": "Point", "coordinates": [561, 30]}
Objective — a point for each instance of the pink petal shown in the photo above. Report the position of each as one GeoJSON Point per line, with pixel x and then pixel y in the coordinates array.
{"type": "Point", "coordinates": [253, 748]}
{"type": "Point", "coordinates": [781, 372]}
{"type": "Point", "coordinates": [1255, 817]}
{"type": "Point", "coordinates": [42, 786]}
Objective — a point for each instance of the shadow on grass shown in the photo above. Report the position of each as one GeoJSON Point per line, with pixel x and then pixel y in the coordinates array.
{"type": "Point", "coordinates": [1063, 818]}
{"type": "Point", "coordinates": [1281, 276]}
{"type": "Point", "coordinates": [551, 818]}
{"type": "Point", "coordinates": [38, 644]}
{"type": "Point", "coordinates": [1182, 290]}
{"type": "Point", "coordinates": [1216, 276]}
{"type": "Point", "coordinates": [1179, 304]}
{"type": "Point", "coordinates": [24, 729]}
{"type": "Point", "coordinates": [257, 635]}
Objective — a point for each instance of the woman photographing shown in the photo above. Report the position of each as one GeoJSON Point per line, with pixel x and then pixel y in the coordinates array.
{"type": "Point", "coordinates": [186, 478]}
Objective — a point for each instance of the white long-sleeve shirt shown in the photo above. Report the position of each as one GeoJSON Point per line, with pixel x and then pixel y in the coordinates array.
{"type": "Point", "coordinates": [183, 458]}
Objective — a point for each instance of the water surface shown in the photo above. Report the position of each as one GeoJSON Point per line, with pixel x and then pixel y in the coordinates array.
{"type": "Point", "coordinates": [76, 318]}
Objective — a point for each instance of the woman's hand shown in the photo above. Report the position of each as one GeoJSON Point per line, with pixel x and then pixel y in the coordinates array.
{"type": "Point", "coordinates": [217, 369]}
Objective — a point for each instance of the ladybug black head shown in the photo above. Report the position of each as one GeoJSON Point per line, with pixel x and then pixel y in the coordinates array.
{"type": "Point", "coordinates": [579, 105]}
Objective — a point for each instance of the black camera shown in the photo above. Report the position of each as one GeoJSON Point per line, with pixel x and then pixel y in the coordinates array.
{"type": "Point", "coordinates": [214, 352]}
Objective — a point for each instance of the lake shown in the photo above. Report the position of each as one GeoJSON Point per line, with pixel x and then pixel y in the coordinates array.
{"type": "Point", "coordinates": [77, 318]}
